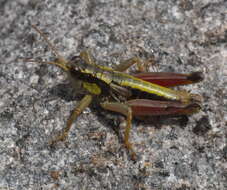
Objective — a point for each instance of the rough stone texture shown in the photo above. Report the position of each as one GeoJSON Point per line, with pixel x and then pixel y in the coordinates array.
{"type": "Point", "coordinates": [35, 100]}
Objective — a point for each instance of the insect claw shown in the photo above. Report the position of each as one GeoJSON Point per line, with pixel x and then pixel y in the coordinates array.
{"type": "Point", "coordinates": [133, 155]}
{"type": "Point", "coordinates": [58, 138]}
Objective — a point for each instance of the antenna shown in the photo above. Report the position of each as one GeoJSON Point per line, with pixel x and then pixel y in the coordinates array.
{"type": "Point", "coordinates": [53, 49]}
{"type": "Point", "coordinates": [60, 62]}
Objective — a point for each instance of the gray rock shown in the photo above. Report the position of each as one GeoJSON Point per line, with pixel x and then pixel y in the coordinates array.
{"type": "Point", "coordinates": [36, 100]}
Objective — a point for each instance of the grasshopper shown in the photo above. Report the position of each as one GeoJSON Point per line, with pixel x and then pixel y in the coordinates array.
{"type": "Point", "coordinates": [130, 95]}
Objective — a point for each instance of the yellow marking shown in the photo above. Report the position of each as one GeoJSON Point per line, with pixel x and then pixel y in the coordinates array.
{"type": "Point", "coordinates": [92, 88]}
{"type": "Point", "coordinates": [108, 76]}
{"type": "Point", "coordinates": [133, 82]}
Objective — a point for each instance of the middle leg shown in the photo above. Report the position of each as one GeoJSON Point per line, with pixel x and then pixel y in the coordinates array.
{"type": "Point", "coordinates": [142, 65]}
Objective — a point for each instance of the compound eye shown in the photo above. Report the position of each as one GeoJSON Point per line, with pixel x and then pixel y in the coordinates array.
{"type": "Point", "coordinates": [75, 59]}
{"type": "Point", "coordinates": [77, 63]}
